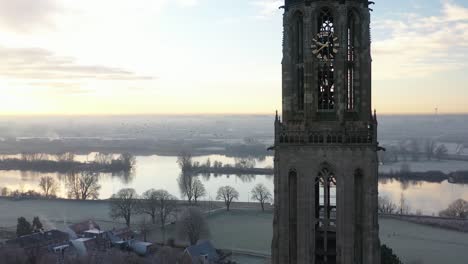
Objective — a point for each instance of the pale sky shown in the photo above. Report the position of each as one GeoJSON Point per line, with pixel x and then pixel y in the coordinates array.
{"type": "Point", "coordinates": [210, 56]}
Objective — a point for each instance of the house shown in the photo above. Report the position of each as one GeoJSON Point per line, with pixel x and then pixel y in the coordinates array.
{"type": "Point", "coordinates": [41, 241]}
{"type": "Point", "coordinates": [77, 230]}
{"type": "Point", "coordinates": [90, 245]}
{"type": "Point", "coordinates": [201, 253]}
{"type": "Point", "coordinates": [94, 233]}
{"type": "Point", "coordinates": [82, 245]}
{"type": "Point", "coordinates": [123, 233]}
{"type": "Point", "coordinates": [141, 248]}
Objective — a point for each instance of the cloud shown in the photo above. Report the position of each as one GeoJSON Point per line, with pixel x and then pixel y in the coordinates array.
{"type": "Point", "coordinates": [28, 15]}
{"type": "Point", "coordinates": [59, 88]}
{"type": "Point", "coordinates": [419, 46]}
{"type": "Point", "coordinates": [267, 8]}
{"type": "Point", "coordinates": [41, 64]}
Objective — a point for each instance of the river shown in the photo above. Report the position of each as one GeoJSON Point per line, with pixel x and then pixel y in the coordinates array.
{"type": "Point", "coordinates": [161, 172]}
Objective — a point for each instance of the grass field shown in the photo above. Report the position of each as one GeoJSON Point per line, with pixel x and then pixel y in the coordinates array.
{"type": "Point", "coordinates": [251, 230]}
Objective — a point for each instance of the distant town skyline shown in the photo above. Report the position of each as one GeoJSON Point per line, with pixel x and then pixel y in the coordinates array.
{"type": "Point", "coordinates": [68, 57]}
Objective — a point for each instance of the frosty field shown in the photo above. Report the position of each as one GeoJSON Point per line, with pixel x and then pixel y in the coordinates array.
{"type": "Point", "coordinates": [250, 230]}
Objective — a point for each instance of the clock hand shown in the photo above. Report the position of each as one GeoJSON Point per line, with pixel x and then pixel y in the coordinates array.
{"type": "Point", "coordinates": [323, 46]}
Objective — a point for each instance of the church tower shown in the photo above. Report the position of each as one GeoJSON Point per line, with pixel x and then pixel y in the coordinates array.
{"type": "Point", "coordinates": [326, 167]}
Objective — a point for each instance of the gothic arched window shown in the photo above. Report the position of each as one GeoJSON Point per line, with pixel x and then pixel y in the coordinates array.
{"type": "Point", "coordinates": [299, 37]}
{"type": "Point", "coordinates": [325, 213]}
{"type": "Point", "coordinates": [351, 61]}
{"type": "Point", "coordinates": [300, 88]}
{"type": "Point", "coordinates": [359, 214]}
{"type": "Point", "coordinates": [326, 68]}
{"type": "Point", "coordinates": [299, 58]}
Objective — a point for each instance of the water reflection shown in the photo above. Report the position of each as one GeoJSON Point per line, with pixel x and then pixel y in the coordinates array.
{"type": "Point", "coordinates": [428, 197]}
{"type": "Point", "coordinates": [161, 172]}
{"type": "Point", "coordinates": [126, 177]}
{"type": "Point", "coordinates": [404, 184]}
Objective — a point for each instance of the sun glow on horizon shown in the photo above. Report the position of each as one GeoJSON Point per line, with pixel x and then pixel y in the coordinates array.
{"type": "Point", "coordinates": [78, 58]}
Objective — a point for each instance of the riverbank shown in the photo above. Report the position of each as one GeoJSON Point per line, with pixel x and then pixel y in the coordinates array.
{"type": "Point", "coordinates": [50, 166]}
{"type": "Point", "coordinates": [136, 146]}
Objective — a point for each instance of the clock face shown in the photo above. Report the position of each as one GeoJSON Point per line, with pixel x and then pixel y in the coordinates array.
{"type": "Point", "coordinates": [325, 46]}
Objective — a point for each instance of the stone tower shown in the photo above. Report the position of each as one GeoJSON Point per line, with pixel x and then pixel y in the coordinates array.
{"type": "Point", "coordinates": [326, 166]}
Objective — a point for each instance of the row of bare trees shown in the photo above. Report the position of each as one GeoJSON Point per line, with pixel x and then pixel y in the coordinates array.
{"type": "Point", "coordinates": [159, 205]}
{"type": "Point", "coordinates": [80, 186]}
{"type": "Point", "coordinates": [190, 186]}
{"type": "Point", "coordinates": [414, 149]}
{"type": "Point", "coordinates": [387, 206]}
{"type": "Point", "coordinates": [60, 157]}
{"type": "Point", "coordinates": [457, 209]}
{"type": "Point", "coordinates": [259, 193]}
{"type": "Point", "coordinates": [100, 158]}
{"type": "Point", "coordinates": [193, 189]}
{"type": "Point", "coordinates": [162, 207]}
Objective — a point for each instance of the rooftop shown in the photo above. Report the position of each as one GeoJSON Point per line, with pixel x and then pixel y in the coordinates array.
{"type": "Point", "coordinates": [83, 239]}
{"type": "Point", "coordinates": [42, 238]}
{"type": "Point", "coordinates": [94, 231]}
{"type": "Point", "coordinates": [203, 247]}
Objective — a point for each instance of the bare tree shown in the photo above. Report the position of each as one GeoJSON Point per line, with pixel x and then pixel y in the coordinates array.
{"type": "Point", "coordinates": [48, 186]}
{"type": "Point", "coordinates": [65, 157]}
{"type": "Point", "coordinates": [244, 163]}
{"type": "Point", "coordinates": [440, 151]}
{"type": "Point", "coordinates": [185, 162]}
{"type": "Point", "coordinates": [198, 190]}
{"type": "Point", "coordinates": [83, 186]}
{"type": "Point", "coordinates": [185, 182]}
{"type": "Point", "coordinates": [228, 194]}
{"type": "Point", "coordinates": [103, 158]}
{"type": "Point", "coordinates": [144, 228]}
{"type": "Point", "coordinates": [457, 209]}
{"type": "Point", "coordinates": [208, 163]}
{"type": "Point", "coordinates": [261, 193]}
{"type": "Point", "coordinates": [4, 191]}
{"type": "Point", "coordinates": [123, 204]}
{"type": "Point", "coordinates": [192, 225]}
{"type": "Point", "coordinates": [160, 205]}
{"type": "Point", "coordinates": [403, 207]}
{"type": "Point", "coordinates": [167, 208]}
{"type": "Point", "coordinates": [429, 148]}
{"type": "Point", "coordinates": [34, 156]}
{"type": "Point", "coordinates": [127, 160]}
{"type": "Point", "coordinates": [386, 206]}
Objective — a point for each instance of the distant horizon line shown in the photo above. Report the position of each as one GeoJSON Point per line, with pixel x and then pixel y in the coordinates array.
{"type": "Point", "coordinates": [206, 114]}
